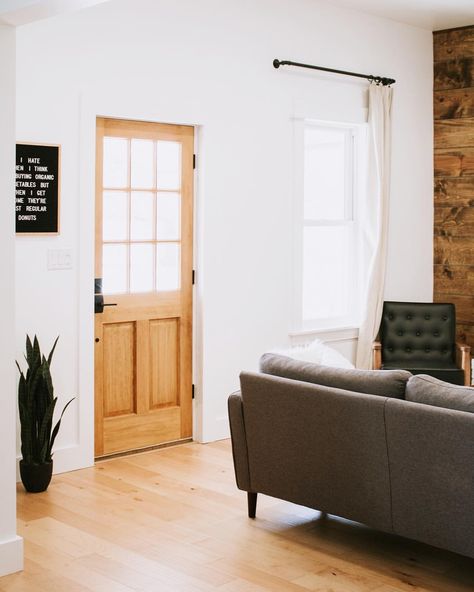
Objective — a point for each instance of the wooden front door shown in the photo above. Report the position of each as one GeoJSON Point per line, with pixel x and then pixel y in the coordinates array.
{"type": "Point", "coordinates": [144, 230]}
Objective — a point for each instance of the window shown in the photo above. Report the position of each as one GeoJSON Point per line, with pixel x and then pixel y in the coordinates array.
{"type": "Point", "coordinates": [329, 179]}
{"type": "Point", "coordinates": [141, 201]}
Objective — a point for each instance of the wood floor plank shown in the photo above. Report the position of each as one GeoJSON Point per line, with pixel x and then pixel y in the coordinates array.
{"type": "Point", "coordinates": [172, 520]}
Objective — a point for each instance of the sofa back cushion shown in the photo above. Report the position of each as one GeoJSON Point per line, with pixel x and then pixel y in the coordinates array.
{"type": "Point", "coordinates": [386, 383]}
{"type": "Point", "coordinates": [431, 391]}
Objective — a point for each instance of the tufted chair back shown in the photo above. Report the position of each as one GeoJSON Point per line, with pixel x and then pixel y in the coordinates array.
{"type": "Point", "coordinates": [418, 332]}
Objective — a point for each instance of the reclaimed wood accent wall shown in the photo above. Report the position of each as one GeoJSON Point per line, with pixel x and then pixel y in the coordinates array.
{"type": "Point", "coordinates": [454, 174]}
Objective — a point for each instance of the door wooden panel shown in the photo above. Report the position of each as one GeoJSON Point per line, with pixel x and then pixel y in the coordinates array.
{"type": "Point", "coordinates": [140, 431]}
{"type": "Point", "coordinates": [143, 355]}
{"type": "Point", "coordinates": [164, 359]}
{"type": "Point", "coordinates": [119, 369]}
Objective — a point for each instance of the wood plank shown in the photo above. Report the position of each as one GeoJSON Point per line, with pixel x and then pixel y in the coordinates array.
{"type": "Point", "coordinates": [452, 104]}
{"type": "Point", "coordinates": [457, 73]}
{"type": "Point", "coordinates": [455, 221]}
{"type": "Point", "coordinates": [454, 162]}
{"type": "Point", "coordinates": [453, 43]}
{"type": "Point", "coordinates": [454, 133]}
{"type": "Point", "coordinates": [465, 334]}
{"type": "Point", "coordinates": [115, 527]}
{"type": "Point", "coordinates": [464, 307]}
{"type": "Point", "coordinates": [454, 279]}
{"type": "Point", "coordinates": [454, 192]}
{"type": "Point", "coordinates": [452, 250]}
{"type": "Point", "coordinates": [454, 172]}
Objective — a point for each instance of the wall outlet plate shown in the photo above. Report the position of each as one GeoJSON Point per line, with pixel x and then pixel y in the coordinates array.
{"type": "Point", "coordinates": [59, 259]}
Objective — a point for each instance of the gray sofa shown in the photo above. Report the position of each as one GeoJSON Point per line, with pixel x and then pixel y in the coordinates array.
{"type": "Point", "coordinates": [348, 442]}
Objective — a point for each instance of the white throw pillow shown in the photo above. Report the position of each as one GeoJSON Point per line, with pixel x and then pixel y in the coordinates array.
{"type": "Point", "coordinates": [317, 352]}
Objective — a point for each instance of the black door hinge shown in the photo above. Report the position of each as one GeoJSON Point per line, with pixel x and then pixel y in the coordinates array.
{"type": "Point", "coordinates": [192, 391]}
{"type": "Point", "coordinates": [194, 277]}
{"type": "Point", "coordinates": [194, 161]}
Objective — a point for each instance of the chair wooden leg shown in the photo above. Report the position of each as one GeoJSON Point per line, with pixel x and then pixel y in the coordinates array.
{"type": "Point", "coordinates": [252, 503]}
{"type": "Point", "coordinates": [376, 355]}
{"type": "Point", "coordinates": [463, 360]}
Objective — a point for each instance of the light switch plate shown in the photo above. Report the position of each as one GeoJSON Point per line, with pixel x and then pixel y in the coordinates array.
{"type": "Point", "coordinates": [59, 259]}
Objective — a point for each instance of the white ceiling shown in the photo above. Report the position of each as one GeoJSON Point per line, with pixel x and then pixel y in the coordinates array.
{"type": "Point", "coordinates": [428, 14]}
{"type": "Point", "coordinates": [20, 12]}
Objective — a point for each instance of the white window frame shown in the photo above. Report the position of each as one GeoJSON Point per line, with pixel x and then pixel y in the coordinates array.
{"type": "Point", "coordinates": [354, 186]}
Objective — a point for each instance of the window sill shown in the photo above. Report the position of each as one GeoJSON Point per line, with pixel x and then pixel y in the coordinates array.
{"type": "Point", "coordinates": [345, 333]}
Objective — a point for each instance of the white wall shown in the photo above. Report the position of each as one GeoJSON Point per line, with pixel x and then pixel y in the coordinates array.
{"type": "Point", "coordinates": [11, 550]}
{"type": "Point", "coordinates": [209, 63]}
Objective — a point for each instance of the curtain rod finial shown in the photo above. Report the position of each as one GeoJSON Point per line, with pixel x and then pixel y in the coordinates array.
{"type": "Point", "coordinates": [276, 63]}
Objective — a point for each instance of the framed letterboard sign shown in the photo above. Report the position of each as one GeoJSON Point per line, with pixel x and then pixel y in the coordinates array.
{"type": "Point", "coordinates": [37, 188]}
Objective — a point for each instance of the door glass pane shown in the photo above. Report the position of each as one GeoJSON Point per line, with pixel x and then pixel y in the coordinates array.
{"type": "Point", "coordinates": [142, 216]}
{"type": "Point", "coordinates": [115, 215]}
{"type": "Point", "coordinates": [324, 173]}
{"type": "Point", "coordinates": [141, 268]}
{"type": "Point", "coordinates": [114, 269]}
{"type": "Point", "coordinates": [326, 272]}
{"type": "Point", "coordinates": [168, 216]}
{"type": "Point", "coordinates": [168, 165]}
{"type": "Point", "coordinates": [115, 170]}
{"type": "Point", "coordinates": [142, 164]}
{"type": "Point", "coordinates": [167, 266]}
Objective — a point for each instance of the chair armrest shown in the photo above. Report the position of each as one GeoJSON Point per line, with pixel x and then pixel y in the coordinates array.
{"type": "Point", "coordinates": [463, 360]}
{"type": "Point", "coordinates": [376, 355]}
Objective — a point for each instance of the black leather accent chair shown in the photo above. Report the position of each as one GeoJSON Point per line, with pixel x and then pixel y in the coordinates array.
{"type": "Point", "coordinates": [421, 338]}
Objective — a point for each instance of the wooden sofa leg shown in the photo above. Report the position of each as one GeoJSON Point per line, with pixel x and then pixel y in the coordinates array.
{"type": "Point", "coordinates": [252, 503]}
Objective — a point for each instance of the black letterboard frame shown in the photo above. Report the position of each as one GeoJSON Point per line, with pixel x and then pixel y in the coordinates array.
{"type": "Point", "coordinates": [37, 194]}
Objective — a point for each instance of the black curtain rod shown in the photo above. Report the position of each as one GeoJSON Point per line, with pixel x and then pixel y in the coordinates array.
{"type": "Point", "coordinates": [377, 79]}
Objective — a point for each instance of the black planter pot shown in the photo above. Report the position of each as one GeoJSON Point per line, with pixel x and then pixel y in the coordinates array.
{"type": "Point", "coordinates": [36, 478]}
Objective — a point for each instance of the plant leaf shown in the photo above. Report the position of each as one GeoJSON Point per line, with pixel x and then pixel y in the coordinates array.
{"type": "Point", "coordinates": [29, 349]}
{"type": "Point", "coordinates": [47, 377]}
{"type": "Point", "coordinates": [58, 424]}
{"type": "Point", "coordinates": [50, 357]}
{"type": "Point", "coordinates": [45, 431]}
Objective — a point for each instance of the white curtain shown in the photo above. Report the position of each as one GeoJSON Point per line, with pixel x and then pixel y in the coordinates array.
{"type": "Point", "coordinates": [376, 208]}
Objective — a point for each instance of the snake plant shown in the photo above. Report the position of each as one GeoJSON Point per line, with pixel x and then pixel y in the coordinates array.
{"type": "Point", "coordinates": [36, 402]}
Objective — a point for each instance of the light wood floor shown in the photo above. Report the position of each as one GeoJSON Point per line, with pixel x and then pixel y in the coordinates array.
{"type": "Point", "coordinates": [172, 520]}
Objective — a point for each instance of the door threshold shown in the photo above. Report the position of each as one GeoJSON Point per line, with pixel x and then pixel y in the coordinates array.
{"type": "Point", "coordinates": [141, 450]}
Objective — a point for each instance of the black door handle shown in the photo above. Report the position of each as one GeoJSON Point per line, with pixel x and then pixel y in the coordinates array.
{"type": "Point", "coordinates": [99, 303]}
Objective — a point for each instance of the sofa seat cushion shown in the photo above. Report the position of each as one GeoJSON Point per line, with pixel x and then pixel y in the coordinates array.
{"type": "Point", "coordinates": [449, 372]}
{"type": "Point", "coordinates": [431, 391]}
{"type": "Point", "coordinates": [373, 382]}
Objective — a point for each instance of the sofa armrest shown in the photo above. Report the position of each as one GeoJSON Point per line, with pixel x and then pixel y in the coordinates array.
{"type": "Point", "coordinates": [239, 441]}
{"type": "Point", "coordinates": [463, 360]}
{"type": "Point", "coordinates": [317, 446]}
{"type": "Point", "coordinates": [376, 355]}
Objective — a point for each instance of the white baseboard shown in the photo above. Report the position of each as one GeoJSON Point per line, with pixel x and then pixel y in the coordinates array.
{"type": "Point", "coordinates": [69, 458]}
{"type": "Point", "coordinates": [11, 556]}
{"type": "Point", "coordinates": [218, 430]}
